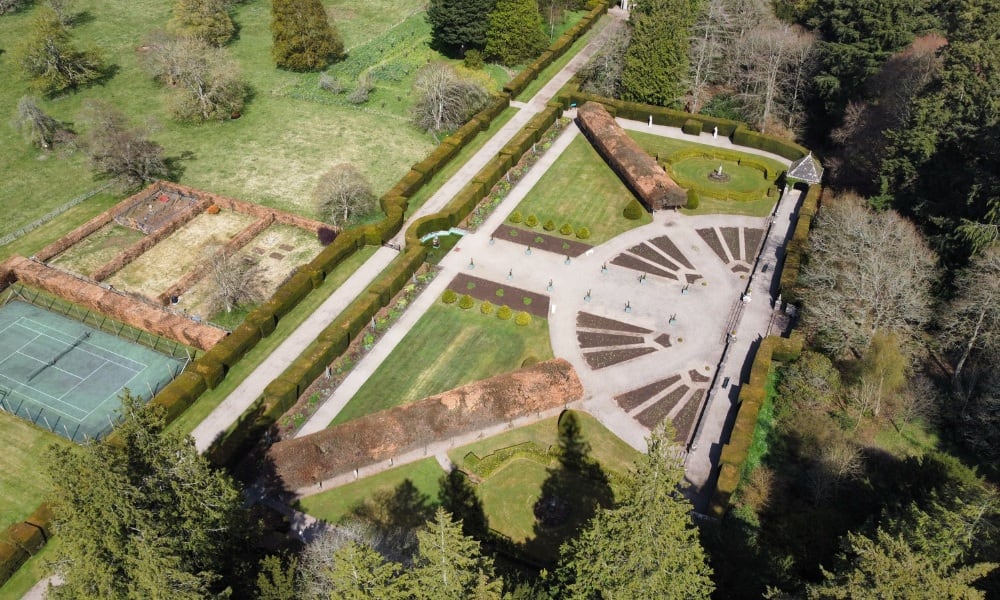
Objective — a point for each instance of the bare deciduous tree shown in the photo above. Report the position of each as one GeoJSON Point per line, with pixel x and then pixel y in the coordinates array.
{"type": "Point", "coordinates": [343, 192]}
{"type": "Point", "coordinates": [37, 127]}
{"type": "Point", "coordinates": [117, 149]}
{"type": "Point", "coordinates": [237, 281]}
{"type": "Point", "coordinates": [710, 32]}
{"type": "Point", "coordinates": [603, 72]}
{"type": "Point", "coordinates": [867, 272]}
{"type": "Point", "coordinates": [774, 55]}
{"type": "Point", "coordinates": [445, 100]}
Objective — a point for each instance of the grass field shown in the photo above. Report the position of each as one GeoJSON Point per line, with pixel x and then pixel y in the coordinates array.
{"type": "Point", "coordinates": [582, 190]}
{"type": "Point", "coordinates": [272, 155]}
{"type": "Point", "coordinates": [447, 347]}
{"type": "Point", "coordinates": [97, 248]}
{"type": "Point", "coordinates": [23, 483]}
{"type": "Point", "coordinates": [333, 505]}
{"type": "Point", "coordinates": [208, 401]}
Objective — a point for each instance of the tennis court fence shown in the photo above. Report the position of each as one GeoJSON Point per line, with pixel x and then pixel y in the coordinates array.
{"type": "Point", "coordinates": [18, 291]}
{"type": "Point", "coordinates": [22, 407]}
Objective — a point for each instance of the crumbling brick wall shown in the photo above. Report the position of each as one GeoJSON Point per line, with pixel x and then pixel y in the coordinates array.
{"type": "Point", "coordinates": [634, 166]}
{"type": "Point", "coordinates": [254, 210]}
{"type": "Point", "coordinates": [374, 438]}
{"type": "Point", "coordinates": [116, 305]}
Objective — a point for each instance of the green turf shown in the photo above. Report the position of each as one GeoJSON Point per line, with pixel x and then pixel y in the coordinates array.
{"type": "Point", "coordinates": [23, 484]}
{"type": "Point", "coordinates": [694, 171]}
{"type": "Point", "coordinates": [582, 190]}
{"type": "Point", "coordinates": [446, 348]}
{"type": "Point", "coordinates": [333, 505]}
{"type": "Point", "coordinates": [272, 155]}
{"type": "Point", "coordinates": [212, 398]}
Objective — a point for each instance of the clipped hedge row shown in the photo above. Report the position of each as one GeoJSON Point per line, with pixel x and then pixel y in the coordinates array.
{"type": "Point", "coordinates": [180, 393]}
{"type": "Point", "coordinates": [488, 465]}
{"type": "Point", "coordinates": [752, 139]}
{"type": "Point", "coordinates": [642, 112]}
{"type": "Point", "coordinates": [752, 397]}
{"type": "Point", "coordinates": [22, 540]}
{"type": "Point", "coordinates": [798, 245]}
{"type": "Point", "coordinates": [441, 155]}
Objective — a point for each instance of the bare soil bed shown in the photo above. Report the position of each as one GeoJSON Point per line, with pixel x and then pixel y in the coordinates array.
{"type": "Point", "coordinates": [96, 249]}
{"type": "Point", "coordinates": [167, 261]}
{"type": "Point", "coordinates": [592, 339]}
{"type": "Point", "coordinates": [589, 321]}
{"type": "Point", "coordinates": [670, 249]}
{"type": "Point", "coordinates": [279, 249]}
{"type": "Point", "coordinates": [606, 358]}
{"type": "Point", "coordinates": [630, 400]}
{"type": "Point", "coordinates": [498, 294]}
{"type": "Point", "coordinates": [541, 241]}
{"type": "Point", "coordinates": [661, 408]}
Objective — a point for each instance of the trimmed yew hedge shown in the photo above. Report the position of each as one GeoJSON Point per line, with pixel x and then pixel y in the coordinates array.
{"type": "Point", "coordinates": [797, 246]}
{"type": "Point", "coordinates": [180, 393]}
{"type": "Point", "coordinates": [22, 540]}
{"type": "Point", "coordinates": [751, 139]}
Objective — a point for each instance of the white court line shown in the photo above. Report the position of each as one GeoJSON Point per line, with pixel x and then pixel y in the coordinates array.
{"type": "Point", "coordinates": [43, 325]}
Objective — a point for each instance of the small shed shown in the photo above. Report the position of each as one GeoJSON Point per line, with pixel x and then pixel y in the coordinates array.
{"type": "Point", "coordinates": [805, 169]}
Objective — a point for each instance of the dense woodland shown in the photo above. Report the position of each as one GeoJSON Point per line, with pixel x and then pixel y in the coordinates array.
{"type": "Point", "coordinates": [877, 474]}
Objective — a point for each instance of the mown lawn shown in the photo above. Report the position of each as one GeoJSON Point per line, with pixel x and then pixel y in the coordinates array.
{"type": "Point", "coordinates": [272, 154]}
{"type": "Point", "coordinates": [447, 347]}
{"type": "Point", "coordinates": [582, 190]}
{"type": "Point", "coordinates": [23, 480]}
{"type": "Point", "coordinates": [334, 505]}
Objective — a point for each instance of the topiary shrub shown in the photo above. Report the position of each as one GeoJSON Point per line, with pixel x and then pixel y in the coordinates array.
{"type": "Point", "coordinates": [531, 221]}
{"type": "Point", "coordinates": [515, 217]}
{"type": "Point", "coordinates": [693, 200]}
{"type": "Point", "coordinates": [498, 293]}
{"type": "Point", "coordinates": [526, 300]}
{"type": "Point", "coordinates": [522, 318]}
{"type": "Point", "coordinates": [504, 313]}
{"type": "Point", "coordinates": [583, 233]}
{"type": "Point", "coordinates": [566, 229]}
{"type": "Point", "coordinates": [325, 235]}
{"type": "Point", "coordinates": [691, 127]}
{"type": "Point", "coordinates": [633, 210]}
{"type": "Point", "coordinates": [466, 302]}
{"type": "Point", "coordinates": [449, 297]}
{"type": "Point", "coordinates": [549, 225]}
{"type": "Point", "coordinates": [486, 307]}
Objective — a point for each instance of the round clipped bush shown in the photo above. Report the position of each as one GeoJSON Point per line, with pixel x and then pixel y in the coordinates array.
{"type": "Point", "coordinates": [549, 225]}
{"type": "Point", "coordinates": [526, 300]}
{"type": "Point", "coordinates": [633, 210]}
{"type": "Point", "coordinates": [693, 200]}
{"type": "Point", "coordinates": [566, 229]}
{"type": "Point", "coordinates": [583, 233]}
{"type": "Point", "coordinates": [522, 318]}
{"type": "Point", "coordinates": [531, 221]}
{"type": "Point", "coordinates": [486, 307]}
{"type": "Point", "coordinates": [449, 297]}
{"type": "Point", "coordinates": [515, 217]}
{"type": "Point", "coordinates": [466, 302]}
{"type": "Point", "coordinates": [504, 313]}
{"type": "Point", "coordinates": [498, 293]}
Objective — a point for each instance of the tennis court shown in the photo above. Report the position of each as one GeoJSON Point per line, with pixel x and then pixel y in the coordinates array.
{"type": "Point", "coordinates": [66, 376]}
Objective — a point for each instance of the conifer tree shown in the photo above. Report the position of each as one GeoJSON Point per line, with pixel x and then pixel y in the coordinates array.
{"type": "Point", "coordinates": [304, 39]}
{"type": "Point", "coordinates": [359, 572]}
{"type": "Point", "coordinates": [206, 20]}
{"type": "Point", "coordinates": [449, 565]}
{"type": "Point", "coordinates": [656, 62]}
{"type": "Point", "coordinates": [515, 33]}
{"type": "Point", "coordinates": [459, 25]}
{"type": "Point", "coordinates": [644, 547]}
{"type": "Point", "coordinates": [142, 515]}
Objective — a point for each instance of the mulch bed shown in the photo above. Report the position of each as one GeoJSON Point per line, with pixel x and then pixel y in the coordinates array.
{"type": "Point", "coordinates": [684, 420]}
{"type": "Point", "coordinates": [713, 242]}
{"type": "Point", "coordinates": [590, 339]}
{"type": "Point", "coordinates": [607, 358]}
{"type": "Point", "coordinates": [539, 240]}
{"type": "Point", "coordinates": [663, 339]}
{"type": "Point", "coordinates": [590, 321]}
{"type": "Point", "coordinates": [698, 377]}
{"type": "Point", "coordinates": [751, 237]}
{"type": "Point", "coordinates": [664, 243]}
{"type": "Point", "coordinates": [631, 262]}
{"type": "Point", "coordinates": [484, 289]}
{"type": "Point", "coordinates": [732, 237]}
{"type": "Point", "coordinates": [644, 250]}
{"type": "Point", "coordinates": [630, 400]}
{"type": "Point", "coordinates": [659, 411]}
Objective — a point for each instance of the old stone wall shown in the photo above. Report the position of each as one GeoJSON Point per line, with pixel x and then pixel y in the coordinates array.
{"type": "Point", "coordinates": [374, 438]}
{"type": "Point", "coordinates": [115, 304]}
{"type": "Point", "coordinates": [637, 169]}
{"type": "Point", "coordinates": [248, 208]}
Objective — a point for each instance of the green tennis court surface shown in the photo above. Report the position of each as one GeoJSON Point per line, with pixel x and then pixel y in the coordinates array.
{"type": "Point", "coordinates": [67, 377]}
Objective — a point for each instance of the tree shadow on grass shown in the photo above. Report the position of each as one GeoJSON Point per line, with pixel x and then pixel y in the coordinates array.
{"type": "Point", "coordinates": [571, 494]}
{"type": "Point", "coordinates": [393, 517]}
{"type": "Point", "coordinates": [458, 496]}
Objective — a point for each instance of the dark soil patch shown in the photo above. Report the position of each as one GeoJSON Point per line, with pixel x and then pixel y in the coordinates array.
{"type": "Point", "coordinates": [541, 241]}
{"type": "Point", "coordinates": [663, 339]}
{"type": "Point", "coordinates": [684, 420]}
{"type": "Point", "coordinates": [589, 339]}
{"type": "Point", "coordinates": [713, 242]}
{"type": "Point", "coordinates": [607, 358]}
{"type": "Point", "coordinates": [751, 238]}
{"type": "Point", "coordinates": [630, 400]}
{"type": "Point", "coordinates": [732, 237]}
{"type": "Point", "coordinates": [698, 377]}
{"type": "Point", "coordinates": [649, 253]}
{"type": "Point", "coordinates": [276, 255]}
{"type": "Point", "coordinates": [631, 262]}
{"type": "Point", "coordinates": [595, 322]}
{"type": "Point", "coordinates": [286, 247]}
{"type": "Point", "coordinates": [692, 277]}
{"type": "Point", "coordinates": [484, 289]}
{"type": "Point", "coordinates": [259, 250]}
{"type": "Point", "coordinates": [659, 410]}
{"type": "Point", "coordinates": [740, 268]}
{"type": "Point", "coordinates": [664, 243]}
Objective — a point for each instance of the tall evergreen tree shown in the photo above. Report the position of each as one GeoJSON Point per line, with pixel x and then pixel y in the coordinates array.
{"type": "Point", "coordinates": [459, 25]}
{"type": "Point", "coordinates": [50, 60]}
{"type": "Point", "coordinates": [304, 39]}
{"type": "Point", "coordinates": [206, 20]}
{"type": "Point", "coordinates": [143, 515]}
{"type": "Point", "coordinates": [359, 572]}
{"type": "Point", "coordinates": [449, 565]}
{"type": "Point", "coordinates": [656, 62]}
{"type": "Point", "coordinates": [644, 547]}
{"type": "Point", "coordinates": [515, 34]}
